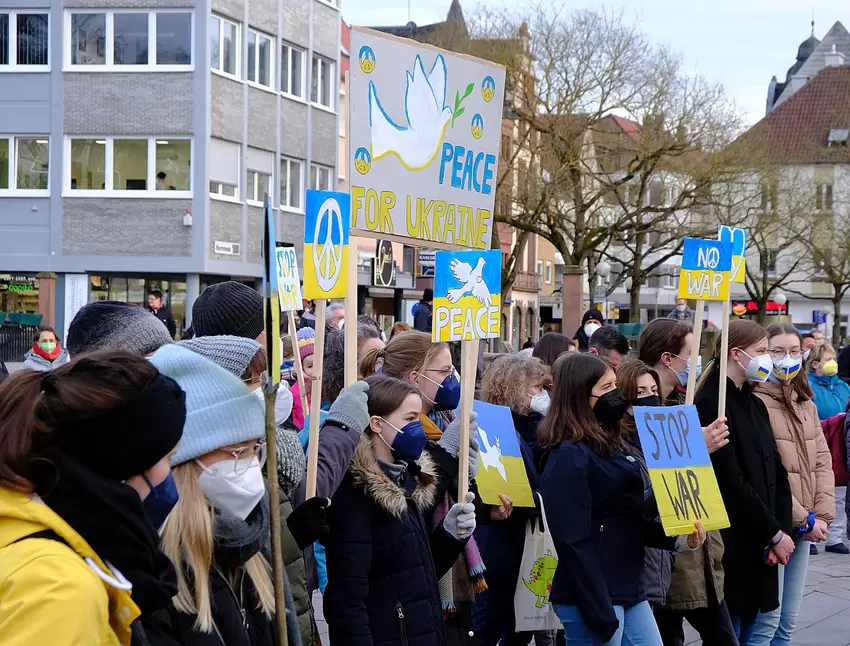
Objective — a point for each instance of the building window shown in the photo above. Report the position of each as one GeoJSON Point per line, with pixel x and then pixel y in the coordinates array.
{"type": "Point", "coordinates": [257, 186]}
{"type": "Point", "coordinates": [260, 58]}
{"type": "Point", "coordinates": [24, 40]}
{"type": "Point", "coordinates": [320, 177]}
{"type": "Point", "coordinates": [323, 75]}
{"type": "Point", "coordinates": [224, 163]}
{"type": "Point", "coordinates": [224, 46]}
{"type": "Point", "coordinates": [291, 182]}
{"type": "Point", "coordinates": [540, 268]}
{"type": "Point", "coordinates": [823, 197]}
{"type": "Point", "coordinates": [548, 272]}
{"type": "Point", "coordinates": [130, 40]}
{"type": "Point", "coordinates": [137, 166]}
{"type": "Point", "coordinates": [24, 165]}
{"type": "Point", "coordinates": [223, 190]}
{"type": "Point", "coordinates": [292, 71]}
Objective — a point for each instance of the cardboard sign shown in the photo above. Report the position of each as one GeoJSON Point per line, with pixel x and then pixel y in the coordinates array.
{"type": "Point", "coordinates": [425, 130]}
{"type": "Point", "coordinates": [706, 269]}
{"type": "Point", "coordinates": [679, 468]}
{"type": "Point", "coordinates": [467, 295]}
{"type": "Point", "coordinates": [270, 295]}
{"type": "Point", "coordinates": [501, 468]}
{"type": "Point", "coordinates": [288, 280]}
{"type": "Point", "coordinates": [738, 238]}
{"type": "Point", "coordinates": [326, 244]}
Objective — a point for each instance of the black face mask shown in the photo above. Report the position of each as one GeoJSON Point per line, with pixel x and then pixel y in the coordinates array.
{"type": "Point", "coordinates": [610, 408]}
{"type": "Point", "coordinates": [648, 400]}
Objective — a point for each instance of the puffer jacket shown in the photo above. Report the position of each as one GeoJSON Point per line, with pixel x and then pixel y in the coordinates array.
{"type": "Point", "coordinates": [805, 454]}
{"type": "Point", "coordinates": [33, 361]}
{"type": "Point", "coordinates": [49, 592]}
{"type": "Point", "coordinates": [831, 395]}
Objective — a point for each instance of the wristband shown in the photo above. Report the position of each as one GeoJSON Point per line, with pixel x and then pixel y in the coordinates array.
{"type": "Point", "coordinates": [806, 527]}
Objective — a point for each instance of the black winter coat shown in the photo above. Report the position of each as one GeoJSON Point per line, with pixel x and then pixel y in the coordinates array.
{"type": "Point", "coordinates": [383, 558]}
{"type": "Point", "coordinates": [755, 491]}
{"type": "Point", "coordinates": [600, 521]}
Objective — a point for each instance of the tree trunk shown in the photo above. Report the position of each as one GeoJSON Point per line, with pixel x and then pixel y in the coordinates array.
{"type": "Point", "coordinates": [634, 299]}
{"type": "Point", "coordinates": [836, 319]}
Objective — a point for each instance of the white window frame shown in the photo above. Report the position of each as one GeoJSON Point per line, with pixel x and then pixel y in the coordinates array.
{"type": "Point", "coordinates": [319, 168]}
{"type": "Point", "coordinates": [272, 47]}
{"type": "Point", "coordinates": [331, 66]}
{"type": "Point", "coordinates": [13, 65]}
{"type": "Point", "coordinates": [255, 200]}
{"type": "Point", "coordinates": [13, 191]}
{"type": "Point", "coordinates": [109, 171]}
{"type": "Point", "coordinates": [221, 196]}
{"type": "Point", "coordinates": [285, 92]}
{"type": "Point", "coordinates": [237, 45]}
{"type": "Point", "coordinates": [548, 272]}
{"type": "Point", "coordinates": [109, 45]}
{"type": "Point", "coordinates": [284, 199]}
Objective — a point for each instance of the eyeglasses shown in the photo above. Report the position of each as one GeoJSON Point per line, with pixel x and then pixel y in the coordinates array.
{"type": "Point", "coordinates": [445, 371]}
{"type": "Point", "coordinates": [240, 462]}
{"type": "Point", "coordinates": [780, 354]}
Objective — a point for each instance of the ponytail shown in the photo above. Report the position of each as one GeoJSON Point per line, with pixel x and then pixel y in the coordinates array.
{"type": "Point", "coordinates": [19, 427]}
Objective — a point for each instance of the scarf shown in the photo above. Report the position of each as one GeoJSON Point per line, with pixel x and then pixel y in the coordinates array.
{"type": "Point", "coordinates": [110, 517]}
{"type": "Point", "coordinates": [466, 578]}
{"type": "Point", "coordinates": [237, 540]}
{"type": "Point", "coordinates": [50, 356]}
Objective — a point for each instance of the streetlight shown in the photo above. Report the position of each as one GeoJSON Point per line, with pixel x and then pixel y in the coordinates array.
{"type": "Point", "coordinates": [603, 270]}
{"type": "Point", "coordinates": [780, 299]}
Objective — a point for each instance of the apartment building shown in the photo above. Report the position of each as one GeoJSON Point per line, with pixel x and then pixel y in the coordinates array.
{"type": "Point", "coordinates": [137, 140]}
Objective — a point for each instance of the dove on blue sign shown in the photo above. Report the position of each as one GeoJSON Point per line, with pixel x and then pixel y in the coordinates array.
{"type": "Point", "coordinates": [467, 295]}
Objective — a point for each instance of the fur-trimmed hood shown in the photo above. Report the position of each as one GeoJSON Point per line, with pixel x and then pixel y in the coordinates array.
{"type": "Point", "coordinates": [366, 474]}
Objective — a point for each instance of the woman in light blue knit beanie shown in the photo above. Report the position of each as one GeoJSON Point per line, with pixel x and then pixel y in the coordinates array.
{"type": "Point", "coordinates": [222, 516]}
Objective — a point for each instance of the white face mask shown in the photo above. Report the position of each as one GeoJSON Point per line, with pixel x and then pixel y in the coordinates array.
{"type": "Point", "coordinates": [540, 403]}
{"type": "Point", "coordinates": [590, 328]}
{"type": "Point", "coordinates": [235, 491]}
{"type": "Point", "coordinates": [759, 367]}
{"type": "Point", "coordinates": [282, 404]}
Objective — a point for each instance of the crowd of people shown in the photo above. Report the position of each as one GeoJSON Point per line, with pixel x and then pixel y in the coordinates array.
{"type": "Point", "coordinates": [134, 497]}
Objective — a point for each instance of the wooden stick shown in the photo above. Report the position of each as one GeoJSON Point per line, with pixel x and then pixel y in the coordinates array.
{"type": "Point", "coordinates": [318, 365]}
{"type": "Point", "coordinates": [692, 373]}
{"type": "Point", "coordinates": [274, 508]}
{"type": "Point", "coordinates": [350, 329]}
{"type": "Point", "coordinates": [299, 368]}
{"type": "Point", "coordinates": [468, 370]}
{"type": "Point", "coordinates": [724, 360]}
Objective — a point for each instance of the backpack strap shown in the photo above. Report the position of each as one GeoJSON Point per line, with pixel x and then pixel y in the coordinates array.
{"type": "Point", "coordinates": [47, 533]}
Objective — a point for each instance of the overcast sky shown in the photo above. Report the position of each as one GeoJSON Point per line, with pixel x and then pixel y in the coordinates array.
{"type": "Point", "coordinates": [740, 43]}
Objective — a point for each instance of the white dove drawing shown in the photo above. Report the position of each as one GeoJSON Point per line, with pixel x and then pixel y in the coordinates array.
{"type": "Point", "coordinates": [491, 456]}
{"type": "Point", "coordinates": [472, 282]}
{"type": "Point", "coordinates": [427, 115]}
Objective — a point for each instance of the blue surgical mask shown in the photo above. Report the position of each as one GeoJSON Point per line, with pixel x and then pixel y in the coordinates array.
{"type": "Point", "coordinates": [682, 375]}
{"type": "Point", "coordinates": [448, 393]}
{"type": "Point", "coordinates": [409, 442]}
{"type": "Point", "coordinates": [161, 501]}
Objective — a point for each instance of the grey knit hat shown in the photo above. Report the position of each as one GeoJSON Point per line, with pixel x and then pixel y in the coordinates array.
{"type": "Point", "coordinates": [113, 325]}
{"type": "Point", "coordinates": [233, 353]}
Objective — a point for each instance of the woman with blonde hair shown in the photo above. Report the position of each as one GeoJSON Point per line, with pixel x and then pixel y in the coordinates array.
{"type": "Point", "coordinates": [218, 533]}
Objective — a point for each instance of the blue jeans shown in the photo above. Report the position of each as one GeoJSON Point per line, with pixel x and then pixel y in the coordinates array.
{"type": "Point", "coordinates": [774, 628]}
{"type": "Point", "coordinates": [637, 627]}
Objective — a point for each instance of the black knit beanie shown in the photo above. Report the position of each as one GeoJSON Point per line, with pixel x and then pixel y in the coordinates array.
{"type": "Point", "coordinates": [228, 308]}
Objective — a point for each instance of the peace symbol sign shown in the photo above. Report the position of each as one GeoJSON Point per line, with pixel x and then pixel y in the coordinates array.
{"type": "Point", "coordinates": [327, 256]}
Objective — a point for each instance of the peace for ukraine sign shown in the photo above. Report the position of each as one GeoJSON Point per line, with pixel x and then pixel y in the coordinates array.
{"type": "Point", "coordinates": [467, 295]}
{"type": "Point", "coordinates": [679, 467]}
{"type": "Point", "coordinates": [706, 269]}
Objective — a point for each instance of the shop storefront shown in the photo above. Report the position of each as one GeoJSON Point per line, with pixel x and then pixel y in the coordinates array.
{"type": "Point", "coordinates": [135, 290]}
{"type": "Point", "coordinates": [27, 299]}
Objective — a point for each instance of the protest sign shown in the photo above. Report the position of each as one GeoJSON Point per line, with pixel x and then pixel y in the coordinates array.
{"type": "Point", "coordinates": [706, 269]}
{"type": "Point", "coordinates": [467, 295]}
{"type": "Point", "coordinates": [501, 468]}
{"type": "Point", "coordinates": [425, 127]}
{"type": "Point", "coordinates": [288, 280]}
{"type": "Point", "coordinates": [326, 221]}
{"type": "Point", "coordinates": [679, 467]}
{"type": "Point", "coordinates": [738, 239]}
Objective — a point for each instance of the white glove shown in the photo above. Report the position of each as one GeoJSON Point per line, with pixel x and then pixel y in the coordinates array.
{"type": "Point", "coordinates": [460, 521]}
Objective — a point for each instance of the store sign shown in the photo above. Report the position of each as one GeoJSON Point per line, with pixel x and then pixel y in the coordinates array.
{"type": "Point", "coordinates": [426, 262]}
{"type": "Point", "coordinates": [384, 265]}
{"type": "Point", "coordinates": [818, 317]}
{"type": "Point", "coordinates": [76, 295]}
{"type": "Point", "coordinates": [226, 248]}
{"type": "Point", "coordinates": [743, 308]}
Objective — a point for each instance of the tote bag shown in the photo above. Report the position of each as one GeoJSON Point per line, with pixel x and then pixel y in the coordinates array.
{"type": "Point", "coordinates": [539, 560]}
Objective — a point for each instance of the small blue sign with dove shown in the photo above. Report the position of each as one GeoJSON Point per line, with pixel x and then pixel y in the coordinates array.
{"type": "Point", "coordinates": [467, 295]}
{"type": "Point", "coordinates": [477, 126]}
{"type": "Point", "coordinates": [488, 88]}
{"type": "Point", "coordinates": [367, 59]}
{"type": "Point", "coordinates": [362, 160]}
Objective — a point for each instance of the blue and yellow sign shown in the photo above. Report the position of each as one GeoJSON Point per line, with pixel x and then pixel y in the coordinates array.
{"type": "Point", "coordinates": [500, 465]}
{"type": "Point", "coordinates": [488, 88]}
{"type": "Point", "coordinates": [367, 59]}
{"type": "Point", "coordinates": [706, 269]}
{"type": "Point", "coordinates": [362, 160]}
{"type": "Point", "coordinates": [679, 467]}
{"type": "Point", "coordinates": [326, 221]}
{"type": "Point", "coordinates": [477, 126]}
{"type": "Point", "coordinates": [288, 280]}
{"type": "Point", "coordinates": [738, 238]}
{"type": "Point", "coordinates": [467, 295]}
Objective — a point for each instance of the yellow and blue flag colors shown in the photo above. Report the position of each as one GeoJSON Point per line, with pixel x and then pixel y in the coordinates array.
{"type": "Point", "coordinates": [501, 468]}
{"type": "Point", "coordinates": [706, 269]}
{"type": "Point", "coordinates": [288, 280]}
{"type": "Point", "coordinates": [467, 295]}
{"type": "Point", "coordinates": [679, 468]}
{"type": "Point", "coordinates": [326, 221]}
{"type": "Point", "coordinates": [738, 238]}
{"type": "Point", "coordinates": [270, 294]}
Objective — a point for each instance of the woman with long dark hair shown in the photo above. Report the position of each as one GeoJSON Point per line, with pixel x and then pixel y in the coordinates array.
{"type": "Point", "coordinates": [551, 346]}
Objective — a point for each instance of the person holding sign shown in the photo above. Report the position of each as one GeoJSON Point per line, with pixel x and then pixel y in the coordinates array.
{"type": "Point", "coordinates": [601, 526]}
{"type": "Point", "coordinates": [806, 457]}
{"type": "Point", "coordinates": [752, 480]}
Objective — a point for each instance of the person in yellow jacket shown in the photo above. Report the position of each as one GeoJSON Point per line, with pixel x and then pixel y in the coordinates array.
{"type": "Point", "coordinates": [80, 449]}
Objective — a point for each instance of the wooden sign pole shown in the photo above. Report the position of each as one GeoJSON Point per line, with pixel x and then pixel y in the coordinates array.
{"type": "Point", "coordinates": [724, 360]}
{"type": "Point", "coordinates": [350, 329]}
{"type": "Point", "coordinates": [468, 370]}
{"type": "Point", "coordinates": [692, 373]}
{"type": "Point", "coordinates": [299, 369]}
{"type": "Point", "coordinates": [318, 365]}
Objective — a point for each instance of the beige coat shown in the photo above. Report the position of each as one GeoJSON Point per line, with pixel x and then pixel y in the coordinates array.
{"type": "Point", "coordinates": [805, 454]}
